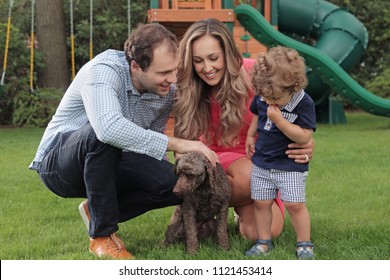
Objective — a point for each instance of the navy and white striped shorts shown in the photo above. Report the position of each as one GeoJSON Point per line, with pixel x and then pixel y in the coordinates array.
{"type": "Point", "coordinates": [265, 184]}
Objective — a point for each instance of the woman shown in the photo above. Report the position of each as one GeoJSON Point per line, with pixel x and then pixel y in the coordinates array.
{"type": "Point", "coordinates": [213, 95]}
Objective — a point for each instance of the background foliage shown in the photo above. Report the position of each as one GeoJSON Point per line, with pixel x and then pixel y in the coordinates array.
{"type": "Point", "coordinates": [35, 109]}
{"type": "Point", "coordinates": [110, 30]}
{"type": "Point", "coordinates": [110, 26]}
{"type": "Point", "coordinates": [373, 72]}
{"type": "Point", "coordinates": [18, 69]}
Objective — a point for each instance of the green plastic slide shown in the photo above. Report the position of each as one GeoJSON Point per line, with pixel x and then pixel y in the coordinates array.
{"type": "Point", "coordinates": [342, 40]}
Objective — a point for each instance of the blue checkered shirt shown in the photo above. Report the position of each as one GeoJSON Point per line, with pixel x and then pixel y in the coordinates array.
{"type": "Point", "coordinates": [103, 95]}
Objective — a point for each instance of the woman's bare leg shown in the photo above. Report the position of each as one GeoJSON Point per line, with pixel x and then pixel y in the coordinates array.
{"type": "Point", "coordinates": [247, 221]}
{"type": "Point", "coordinates": [239, 173]}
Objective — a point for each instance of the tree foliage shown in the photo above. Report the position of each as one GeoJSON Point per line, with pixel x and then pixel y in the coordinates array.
{"type": "Point", "coordinates": [109, 25]}
{"type": "Point", "coordinates": [372, 73]}
{"type": "Point", "coordinates": [18, 69]}
{"type": "Point", "coordinates": [110, 30]}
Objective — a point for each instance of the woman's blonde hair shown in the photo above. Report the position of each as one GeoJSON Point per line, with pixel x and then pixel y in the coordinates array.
{"type": "Point", "coordinates": [280, 70]}
{"type": "Point", "coordinates": [192, 104]}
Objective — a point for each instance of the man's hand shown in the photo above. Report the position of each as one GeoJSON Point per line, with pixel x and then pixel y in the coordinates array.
{"type": "Point", "coordinates": [182, 146]}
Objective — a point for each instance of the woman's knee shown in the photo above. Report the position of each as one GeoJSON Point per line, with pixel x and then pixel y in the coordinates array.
{"type": "Point", "coordinates": [247, 221]}
{"type": "Point", "coordinates": [239, 178]}
{"type": "Point", "coordinates": [240, 195]}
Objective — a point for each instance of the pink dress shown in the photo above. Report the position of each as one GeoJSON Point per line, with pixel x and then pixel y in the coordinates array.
{"type": "Point", "coordinates": [227, 155]}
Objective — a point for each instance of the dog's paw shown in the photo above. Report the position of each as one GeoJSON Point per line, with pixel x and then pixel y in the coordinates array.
{"type": "Point", "coordinates": [224, 246]}
{"type": "Point", "coordinates": [163, 243]}
{"type": "Point", "coordinates": [192, 249]}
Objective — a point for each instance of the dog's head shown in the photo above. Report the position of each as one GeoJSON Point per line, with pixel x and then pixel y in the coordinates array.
{"type": "Point", "coordinates": [191, 169]}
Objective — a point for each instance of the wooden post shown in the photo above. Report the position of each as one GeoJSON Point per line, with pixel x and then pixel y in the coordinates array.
{"type": "Point", "coordinates": [164, 4]}
{"type": "Point", "coordinates": [267, 10]}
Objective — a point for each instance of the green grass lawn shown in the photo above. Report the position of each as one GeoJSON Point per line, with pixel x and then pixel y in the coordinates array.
{"type": "Point", "coordinates": [347, 195]}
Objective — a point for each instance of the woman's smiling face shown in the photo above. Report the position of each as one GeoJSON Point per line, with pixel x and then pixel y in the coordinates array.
{"type": "Point", "coordinates": [208, 59]}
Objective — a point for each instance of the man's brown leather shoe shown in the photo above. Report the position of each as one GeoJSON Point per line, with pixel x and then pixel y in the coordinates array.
{"type": "Point", "coordinates": [109, 246]}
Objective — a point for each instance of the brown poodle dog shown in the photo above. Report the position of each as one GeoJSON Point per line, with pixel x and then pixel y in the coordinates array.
{"type": "Point", "coordinates": [204, 212]}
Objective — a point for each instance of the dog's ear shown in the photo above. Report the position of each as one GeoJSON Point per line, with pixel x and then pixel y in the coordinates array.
{"type": "Point", "coordinates": [175, 166]}
{"type": "Point", "coordinates": [211, 171]}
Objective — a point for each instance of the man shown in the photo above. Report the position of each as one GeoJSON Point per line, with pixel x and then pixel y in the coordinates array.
{"type": "Point", "coordinates": [106, 141]}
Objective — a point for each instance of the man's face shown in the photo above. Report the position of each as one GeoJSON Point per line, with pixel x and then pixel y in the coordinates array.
{"type": "Point", "coordinates": [160, 74]}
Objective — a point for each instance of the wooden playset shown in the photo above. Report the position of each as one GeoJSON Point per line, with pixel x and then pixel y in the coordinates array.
{"type": "Point", "coordinates": [178, 15]}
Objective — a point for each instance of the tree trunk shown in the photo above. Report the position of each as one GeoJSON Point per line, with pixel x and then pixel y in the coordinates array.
{"type": "Point", "coordinates": [50, 23]}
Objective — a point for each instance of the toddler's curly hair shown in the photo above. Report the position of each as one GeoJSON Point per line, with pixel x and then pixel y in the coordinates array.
{"type": "Point", "coordinates": [280, 70]}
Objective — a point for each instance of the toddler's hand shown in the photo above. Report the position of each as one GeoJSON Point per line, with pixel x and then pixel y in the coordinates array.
{"type": "Point", "coordinates": [250, 146]}
{"type": "Point", "coordinates": [274, 113]}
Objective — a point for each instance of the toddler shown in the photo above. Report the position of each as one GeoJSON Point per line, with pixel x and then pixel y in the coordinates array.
{"type": "Point", "coordinates": [283, 113]}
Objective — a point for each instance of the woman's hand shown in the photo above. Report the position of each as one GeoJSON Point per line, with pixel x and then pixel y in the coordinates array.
{"type": "Point", "coordinates": [301, 153]}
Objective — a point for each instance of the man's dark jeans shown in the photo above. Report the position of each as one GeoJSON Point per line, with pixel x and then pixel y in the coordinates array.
{"type": "Point", "coordinates": [119, 185]}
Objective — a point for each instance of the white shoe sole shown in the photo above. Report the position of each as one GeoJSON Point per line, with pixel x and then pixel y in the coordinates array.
{"type": "Point", "coordinates": [83, 215]}
{"type": "Point", "coordinates": [236, 218]}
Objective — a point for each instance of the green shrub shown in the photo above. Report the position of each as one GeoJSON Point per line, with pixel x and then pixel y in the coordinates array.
{"type": "Point", "coordinates": [35, 109]}
{"type": "Point", "coordinates": [17, 75]}
{"type": "Point", "coordinates": [380, 85]}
